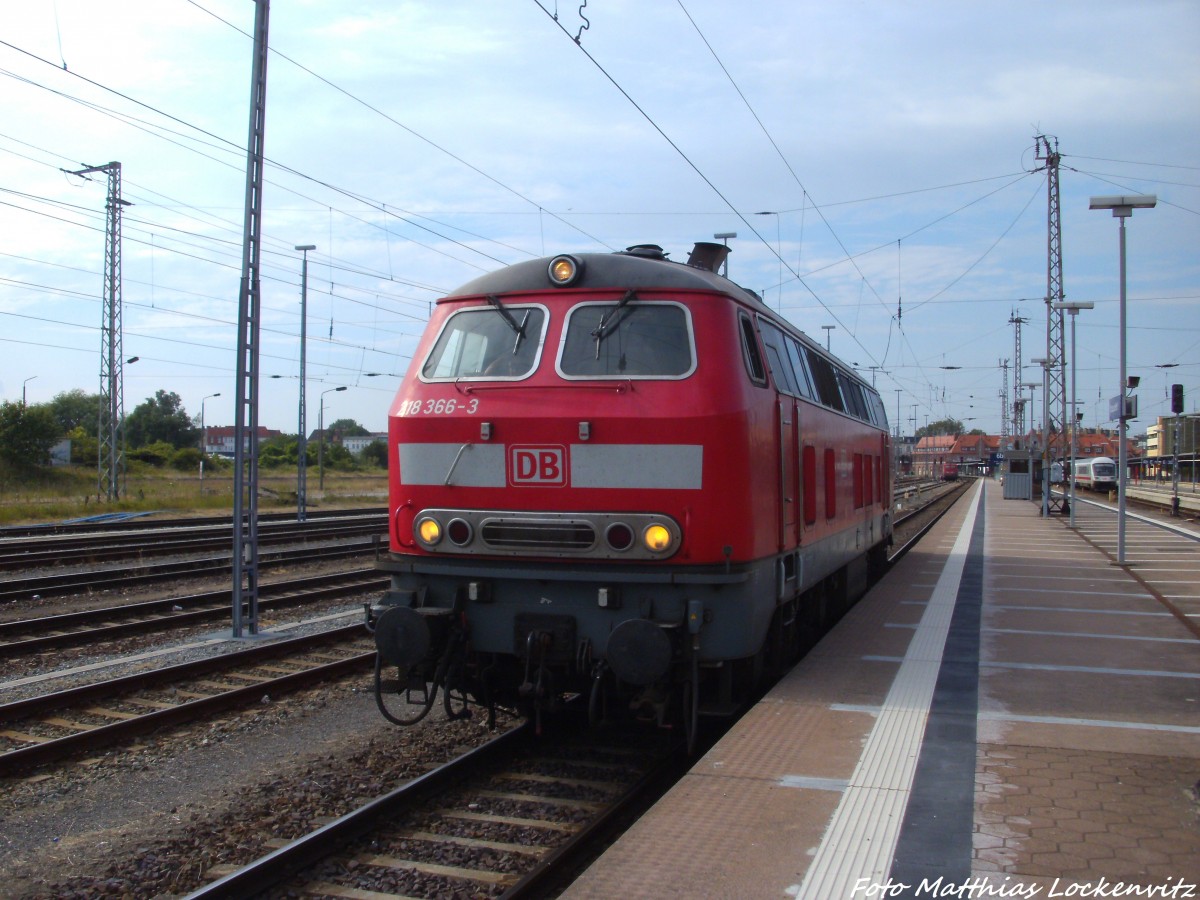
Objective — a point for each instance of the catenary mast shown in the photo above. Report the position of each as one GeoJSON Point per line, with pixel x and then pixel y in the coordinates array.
{"type": "Point", "coordinates": [1055, 415]}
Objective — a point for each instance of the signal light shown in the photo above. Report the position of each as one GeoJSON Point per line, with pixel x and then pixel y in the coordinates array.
{"type": "Point", "coordinates": [1177, 398]}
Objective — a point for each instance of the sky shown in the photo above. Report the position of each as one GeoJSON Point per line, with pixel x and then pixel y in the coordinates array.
{"type": "Point", "coordinates": [878, 162]}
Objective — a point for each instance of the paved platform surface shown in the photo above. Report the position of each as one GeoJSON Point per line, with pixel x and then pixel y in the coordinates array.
{"type": "Point", "coordinates": [1008, 713]}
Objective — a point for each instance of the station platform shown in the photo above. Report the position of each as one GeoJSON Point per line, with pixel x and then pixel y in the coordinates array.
{"type": "Point", "coordinates": [1008, 713]}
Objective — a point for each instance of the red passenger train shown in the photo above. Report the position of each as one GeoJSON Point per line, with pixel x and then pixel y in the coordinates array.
{"type": "Point", "coordinates": [622, 478]}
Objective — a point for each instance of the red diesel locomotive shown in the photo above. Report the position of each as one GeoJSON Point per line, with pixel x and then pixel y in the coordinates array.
{"type": "Point", "coordinates": [624, 478]}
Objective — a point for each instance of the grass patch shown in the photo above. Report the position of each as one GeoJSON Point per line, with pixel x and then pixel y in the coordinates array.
{"type": "Point", "coordinates": [44, 495]}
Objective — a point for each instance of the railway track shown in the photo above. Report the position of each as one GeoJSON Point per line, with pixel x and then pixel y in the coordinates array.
{"type": "Point", "coordinates": [500, 820]}
{"type": "Point", "coordinates": [117, 523]}
{"type": "Point", "coordinates": [97, 580]}
{"type": "Point", "coordinates": [49, 727]}
{"type": "Point", "coordinates": [25, 636]}
{"type": "Point", "coordinates": [83, 549]}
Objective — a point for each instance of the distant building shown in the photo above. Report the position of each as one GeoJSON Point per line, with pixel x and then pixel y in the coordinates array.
{"type": "Point", "coordinates": [60, 453]}
{"type": "Point", "coordinates": [356, 444]}
{"type": "Point", "coordinates": [931, 453]}
{"type": "Point", "coordinates": [1161, 446]}
{"type": "Point", "coordinates": [221, 440]}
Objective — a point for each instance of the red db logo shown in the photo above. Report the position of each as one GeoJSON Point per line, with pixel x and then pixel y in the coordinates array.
{"type": "Point", "coordinates": [544, 466]}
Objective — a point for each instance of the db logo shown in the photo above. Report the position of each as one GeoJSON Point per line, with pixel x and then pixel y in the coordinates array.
{"type": "Point", "coordinates": [544, 466]}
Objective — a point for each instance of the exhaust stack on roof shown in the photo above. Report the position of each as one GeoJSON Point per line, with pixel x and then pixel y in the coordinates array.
{"type": "Point", "coordinates": [706, 255]}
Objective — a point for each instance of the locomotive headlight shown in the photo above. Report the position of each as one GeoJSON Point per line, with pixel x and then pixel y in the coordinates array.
{"type": "Point", "coordinates": [564, 270]}
{"type": "Point", "coordinates": [429, 531]}
{"type": "Point", "coordinates": [657, 538]}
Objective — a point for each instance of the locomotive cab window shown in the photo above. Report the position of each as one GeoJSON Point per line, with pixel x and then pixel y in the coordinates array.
{"type": "Point", "coordinates": [779, 360]}
{"type": "Point", "coordinates": [755, 367]}
{"type": "Point", "coordinates": [492, 342]}
{"type": "Point", "coordinates": [629, 338]}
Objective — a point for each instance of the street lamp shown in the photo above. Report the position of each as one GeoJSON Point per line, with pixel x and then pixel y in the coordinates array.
{"type": "Point", "coordinates": [1032, 386]}
{"type": "Point", "coordinates": [1122, 208]}
{"type": "Point", "coordinates": [23, 383]}
{"type": "Point", "coordinates": [1073, 308]}
{"type": "Point", "coordinates": [321, 433]}
{"type": "Point", "coordinates": [302, 438]}
{"type": "Point", "coordinates": [828, 328]}
{"type": "Point", "coordinates": [204, 438]}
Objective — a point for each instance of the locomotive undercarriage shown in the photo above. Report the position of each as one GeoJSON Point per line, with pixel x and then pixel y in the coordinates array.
{"type": "Point", "coordinates": [652, 669]}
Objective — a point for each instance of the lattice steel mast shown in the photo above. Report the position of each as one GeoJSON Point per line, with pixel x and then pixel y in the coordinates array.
{"type": "Point", "coordinates": [110, 431]}
{"type": "Point", "coordinates": [245, 473]}
{"type": "Point", "coordinates": [1004, 411]}
{"type": "Point", "coordinates": [1056, 357]}
{"type": "Point", "coordinates": [1018, 405]}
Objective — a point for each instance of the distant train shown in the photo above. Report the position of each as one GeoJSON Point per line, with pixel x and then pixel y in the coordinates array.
{"type": "Point", "coordinates": [950, 472]}
{"type": "Point", "coordinates": [1098, 473]}
{"type": "Point", "coordinates": [624, 479]}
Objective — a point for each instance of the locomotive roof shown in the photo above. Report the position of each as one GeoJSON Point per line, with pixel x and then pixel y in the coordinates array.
{"type": "Point", "coordinates": [642, 266]}
{"type": "Point", "coordinates": [637, 267]}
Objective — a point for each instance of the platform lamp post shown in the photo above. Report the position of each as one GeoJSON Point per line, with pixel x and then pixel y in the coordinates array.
{"type": "Point", "coordinates": [1122, 208]}
{"type": "Point", "coordinates": [828, 329]}
{"type": "Point", "coordinates": [204, 438]}
{"type": "Point", "coordinates": [321, 432]}
{"type": "Point", "coordinates": [302, 435]}
{"type": "Point", "coordinates": [1073, 308]}
{"type": "Point", "coordinates": [23, 383]}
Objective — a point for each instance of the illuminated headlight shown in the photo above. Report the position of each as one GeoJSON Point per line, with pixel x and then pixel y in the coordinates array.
{"type": "Point", "coordinates": [564, 270]}
{"type": "Point", "coordinates": [658, 539]}
{"type": "Point", "coordinates": [429, 531]}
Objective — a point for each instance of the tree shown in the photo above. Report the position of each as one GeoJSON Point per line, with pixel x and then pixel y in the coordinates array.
{"type": "Point", "coordinates": [161, 418]}
{"type": "Point", "coordinates": [375, 454]}
{"type": "Point", "coordinates": [347, 428]}
{"type": "Point", "coordinates": [951, 427]}
{"type": "Point", "coordinates": [27, 433]}
{"type": "Point", "coordinates": [76, 409]}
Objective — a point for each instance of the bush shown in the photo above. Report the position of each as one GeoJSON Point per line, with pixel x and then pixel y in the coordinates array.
{"type": "Point", "coordinates": [375, 454]}
{"type": "Point", "coordinates": [186, 459]}
{"type": "Point", "coordinates": [156, 454]}
{"type": "Point", "coordinates": [26, 434]}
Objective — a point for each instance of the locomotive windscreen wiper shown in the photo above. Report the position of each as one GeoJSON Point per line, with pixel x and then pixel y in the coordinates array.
{"type": "Point", "coordinates": [512, 323]}
{"type": "Point", "coordinates": [605, 328]}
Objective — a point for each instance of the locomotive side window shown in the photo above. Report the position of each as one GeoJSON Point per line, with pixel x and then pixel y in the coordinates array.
{"type": "Point", "coordinates": [800, 368]}
{"type": "Point", "coordinates": [852, 395]}
{"type": "Point", "coordinates": [481, 342]}
{"type": "Point", "coordinates": [778, 359]}
{"type": "Point", "coordinates": [875, 408]}
{"type": "Point", "coordinates": [627, 339]}
{"type": "Point", "coordinates": [754, 362]}
{"type": "Point", "coordinates": [824, 380]}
